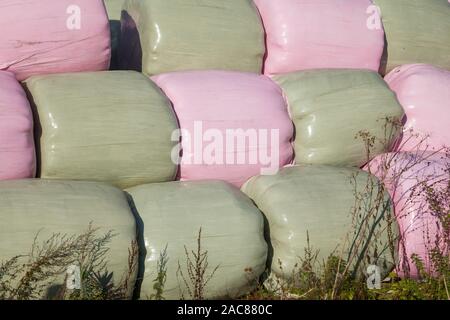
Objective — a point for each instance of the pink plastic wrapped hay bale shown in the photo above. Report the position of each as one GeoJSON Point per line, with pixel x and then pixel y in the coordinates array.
{"type": "Point", "coordinates": [53, 36]}
{"type": "Point", "coordinates": [314, 34]}
{"type": "Point", "coordinates": [233, 125]}
{"type": "Point", "coordinates": [17, 155]}
{"type": "Point", "coordinates": [414, 180]}
{"type": "Point", "coordinates": [424, 92]}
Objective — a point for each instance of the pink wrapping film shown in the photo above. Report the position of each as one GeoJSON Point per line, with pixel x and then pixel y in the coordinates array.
{"type": "Point", "coordinates": [53, 36]}
{"type": "Point", "coordinates": [17, 154]}
{"type": "Point", "coordinates": [424, 93]}
{"type": "Point", "coordinates": [420, 226]}
{"type": "Point", "coordinates": [314, 34]}
{"type": "Point", "coordinates": [234, 125]}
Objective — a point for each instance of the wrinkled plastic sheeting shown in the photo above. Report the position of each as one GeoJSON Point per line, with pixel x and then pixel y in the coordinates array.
{"type": "Point", "coordinates": [41, 208]}
{"type": "Point", "coordinates": [114, 8]}
{"type": "Point", "coordinates": [317, 201]}
{"type": "Point", "coordinates": [233, 125]}
{"type": "Point", "coordinates": [405, 175]}
{"type": "Point", "coordinates": [417, 31]}
{"type": "Point", "coordinates": [331, 108]}
{"type": "Point", "coordinates": [46, 36]}
{"type": "Point", "coordinates": [232, 234]}
{"type": "Point", "coordinates": [424, 92]}
{"type": "Point", "coordinates": [112, 126]}
{"type": "Point", "coordinates": [160, 36]}
{"type": "Point", "coordinates": [17, 154]}
{"type": "Point", "coordinates": [316, 34]}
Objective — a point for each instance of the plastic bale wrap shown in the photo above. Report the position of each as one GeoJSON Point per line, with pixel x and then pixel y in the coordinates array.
{"type": "Point", "coordinates": [162, 36]}
{"type": "Point", "coordinates": [232, 234]}
{"type": "Point", "coordinates": [417, 31]}
{"type": "Point", "coordinates": [233, 125]}
{"type": "Point", "coordinates": [114, 8]}
{"type": "Point", "coordinates": [17, 154]}
{"type": "Point", "coordinates": [406, 176]}
{"type": "Point", "coordinates": [306, 34]}
{"type": "Point", "coordinates": [111, 127]}
{"type": "Point", "coordinates": [332, 108]}
{"type": "Point", "coordinates": [317, 201]}
{"type": "Point", "coordinates": [32, 211]}
{"type": "Point", "coordinates": [424, 92]}
{"type": "Point", "coordinates": [49, 36]}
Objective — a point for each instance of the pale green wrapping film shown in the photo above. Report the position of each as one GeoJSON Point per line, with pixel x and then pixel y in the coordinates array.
{"type": "Point", "coordinates": [111, 127]}
{"type": "Point", "coordinates": [114, 8]}
{"type": "Point", "coordinates": [417, 31]}
{"type": "Point", "coordinates": [30, 208]}
{"type": "Point", "coordinates": [330, 108]}
{"type": "Point", "coordinates": [318, 200]}
{"type": "Point", "coordinates": [232, 234]}
{"type": "Point", "coordinates": [198, 35]}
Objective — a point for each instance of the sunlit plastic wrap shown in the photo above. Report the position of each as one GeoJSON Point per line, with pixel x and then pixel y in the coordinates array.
{"type": "Point", "coordinates": [112, 126]}
{"type": "Point", "coordinates": [416, 181]}
{"type": "Point", "coordinates": [53, 36]}
{"type": "Point", "coordinates": [161, 36]}
{"type": "Point", "coordinates": [314, 34]}
{"type": "Point", "coordinates": [319, 202]}
{"type": "Point", "coordinates": [417, 31]}
{"type": "Point", "coordinates": [114, 8]}
{"type": "Point", "coordinates": [233, 125]}
{"type": "Point", "coordinates": [32, 211]}
{"type": "Point", "coordinates": [17, 154]}
{"type": "Point", "coordinates": [334, 109]}
{"type": "Point", "coordinates": [232, 234]}
{"type": "Point", "coordinates": [424, 92]}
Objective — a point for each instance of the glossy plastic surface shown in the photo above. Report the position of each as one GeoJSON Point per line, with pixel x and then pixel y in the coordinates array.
{"type": "Point", "coordinates": [316, 200]}
{"type": "Point", "coordinates": [331, 107]}
{"type": "Point", "coordinates": [232, 234]}
{"type": "Point", "coordinates": [418, 224]}
{"type": "Point", "coordinates": [424, 92]}
{"type": "Point", "coordinates": [112, 126]}
{"type": "Point", "coordinates": [417, 31]}
{"type": "Point", "coordinates": [181, 35]}
{"type": "Point", "coordinates": [44, 36]}
{"type": "Point", "coordinates": [17, 154]}
{"type": "Point", "coordinates": [210, 104]}
{"type": "Point", "coordinates": [38, 207]}
{"type": "Point", "coordinates": [314, 34]}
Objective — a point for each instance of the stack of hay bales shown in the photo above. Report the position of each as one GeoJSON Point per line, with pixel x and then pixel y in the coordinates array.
{"type": "Point", "coordinates": [320, 95]}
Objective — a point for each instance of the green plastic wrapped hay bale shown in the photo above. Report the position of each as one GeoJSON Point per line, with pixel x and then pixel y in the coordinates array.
{"type": "Point", "coordinates": [160, 36]}
{"type": "Point", "coordinates": [32, 211]}
{"type": "Point", "coordinates": [321, 202]}
{"type": "Point", "coordinates": [332, 108]}
{"type": "Point", "coordinates": [232, 234]}
{"type": "Point", "coordinates": [417, 31]}
{"type": "Point", "coordinates": [111, 127]}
